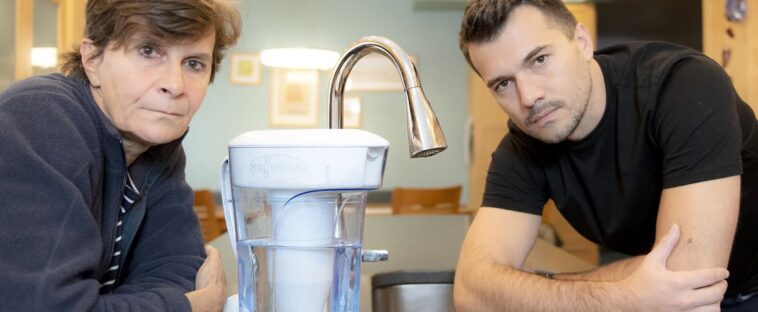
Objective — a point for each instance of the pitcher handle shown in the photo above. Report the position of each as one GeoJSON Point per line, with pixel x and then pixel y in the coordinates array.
{"type": "Point", "coordinates": [228, 203]}
{"type": "Point", "coordinates": [371, 255]}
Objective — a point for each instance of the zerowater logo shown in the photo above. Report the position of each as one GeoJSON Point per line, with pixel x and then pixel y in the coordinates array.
{"type": "Point", "coordinates": [280, 167]}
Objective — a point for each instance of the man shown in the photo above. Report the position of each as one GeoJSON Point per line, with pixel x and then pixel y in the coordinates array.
{"type": "Point", "coordinates": [96, 213]}
{"type": "Point", "coordinates": [645, 148]}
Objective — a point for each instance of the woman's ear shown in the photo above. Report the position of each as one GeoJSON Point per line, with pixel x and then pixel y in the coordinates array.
{"type": "Point", "coordinates": [91, 57]}
{"type": "Point", "coordinates": [584, 40]}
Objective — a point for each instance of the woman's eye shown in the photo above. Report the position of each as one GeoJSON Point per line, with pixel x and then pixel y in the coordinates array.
{"type": "Point", "coordinates": [196, 65]}
{"type": "Point", "coordinates": [148, 51]}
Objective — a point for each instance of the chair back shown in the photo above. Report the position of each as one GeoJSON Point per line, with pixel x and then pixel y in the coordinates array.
{"type": "Point", "coordinates": [205, 208]}
{"type": "Point", "coordinates": [426, 200]}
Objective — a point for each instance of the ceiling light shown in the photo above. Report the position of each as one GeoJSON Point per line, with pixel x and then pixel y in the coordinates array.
{"type": "Point", "coordinates": [44, 57]}
{"type": "Point", "coordinates": [299, 58]}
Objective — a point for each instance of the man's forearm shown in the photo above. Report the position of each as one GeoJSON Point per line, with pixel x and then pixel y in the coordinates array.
{"type": "Point", "coordinates": [611, 272]}
{"type": "Point", "coordinates": [494, 287]}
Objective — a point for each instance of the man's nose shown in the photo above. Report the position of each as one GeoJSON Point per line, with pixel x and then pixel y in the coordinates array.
{"type": "Point", "coordinates": [172, 80]}
{"type": "Point", "coordinates": [529, 90]}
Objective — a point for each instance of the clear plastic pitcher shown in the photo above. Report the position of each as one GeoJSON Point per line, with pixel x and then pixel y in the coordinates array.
{"type": "Point", "coordinates": [296, 200]}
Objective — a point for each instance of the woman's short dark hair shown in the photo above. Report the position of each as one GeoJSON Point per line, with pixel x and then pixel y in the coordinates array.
{"type": "Point", "coordinates": [484, 19]}
{"type": "Point", "coordinates": [116, 21]}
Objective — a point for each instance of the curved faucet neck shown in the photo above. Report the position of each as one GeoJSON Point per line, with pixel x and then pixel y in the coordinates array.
{"type": "Point", "coordinates": [366, 46]}
{"type": "Point", "coordinates": [425, 137]}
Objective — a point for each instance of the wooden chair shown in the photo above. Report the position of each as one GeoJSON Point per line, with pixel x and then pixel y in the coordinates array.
{"type": "Point", "coordinates": [426, 200]}
{"type": "Point", "coordinates": [205, 208]}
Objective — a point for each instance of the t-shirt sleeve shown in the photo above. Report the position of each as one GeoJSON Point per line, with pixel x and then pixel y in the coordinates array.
{"type": "Point", "coordinates": [696, 124]}
{"type": "Point", "coordinates": [513, 180]}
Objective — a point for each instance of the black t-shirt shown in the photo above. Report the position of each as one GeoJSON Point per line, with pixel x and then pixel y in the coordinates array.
{"type": "Point", "coordinates": [672, 118]}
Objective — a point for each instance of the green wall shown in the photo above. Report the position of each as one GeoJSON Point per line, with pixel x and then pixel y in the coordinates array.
{"type": "Point", "coordinates": [429, 35]}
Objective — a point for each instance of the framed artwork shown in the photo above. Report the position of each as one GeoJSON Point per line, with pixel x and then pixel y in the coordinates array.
{"type": "Point", "coordinates": [245, 68]}
{"type": "Point", "coordinates": [294, 97]}
{"type": "Point", "coordinates": [375, 72]}
{"type": "Point", "coordinates": [351, 112]}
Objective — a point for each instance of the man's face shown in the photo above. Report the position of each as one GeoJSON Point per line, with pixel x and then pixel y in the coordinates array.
{"type": "Point", "coordinates": [538, 75]}
{"type": "Point", "coordinates": [149, 90]}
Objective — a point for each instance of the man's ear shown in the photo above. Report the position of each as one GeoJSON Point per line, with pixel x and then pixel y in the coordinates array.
{"type": "Point", "coordinates": [91, 58]}
{"type": "Point", "coordinates": [584, 40]}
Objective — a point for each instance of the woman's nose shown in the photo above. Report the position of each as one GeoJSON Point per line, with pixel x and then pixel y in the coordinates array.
{"type": "Point", "coordinates": [172, 81]}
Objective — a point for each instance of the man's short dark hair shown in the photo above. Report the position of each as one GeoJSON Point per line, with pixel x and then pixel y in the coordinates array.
{"type": "Point", "coordinates": [116, 21]}
{"type": "Point", "coordinates": [483, 20]}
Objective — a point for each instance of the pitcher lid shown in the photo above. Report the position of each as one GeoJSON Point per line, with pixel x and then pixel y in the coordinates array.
{"type": "Point", "coordinates": [308, 138]}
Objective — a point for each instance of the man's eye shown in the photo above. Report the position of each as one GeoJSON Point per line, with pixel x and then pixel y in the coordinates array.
{"type": "Point", "coordinates": [500, 86]}
{"type": "Point", "coordinates": [540, 59]}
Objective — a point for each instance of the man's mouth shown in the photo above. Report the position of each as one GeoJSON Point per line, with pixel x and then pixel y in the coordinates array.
{"type": "Point", "coordinates": [542, 114]}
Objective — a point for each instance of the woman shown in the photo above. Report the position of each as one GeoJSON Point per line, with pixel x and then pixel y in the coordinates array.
{"type": "Point", "coordinates": [96, 212]}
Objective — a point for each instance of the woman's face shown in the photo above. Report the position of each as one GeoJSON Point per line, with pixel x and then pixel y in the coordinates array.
{"type": "Point", "coordinates": [151, 90]}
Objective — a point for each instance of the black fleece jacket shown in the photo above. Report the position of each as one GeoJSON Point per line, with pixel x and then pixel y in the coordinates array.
{"type": "Point", "coordinates": [62, 172]}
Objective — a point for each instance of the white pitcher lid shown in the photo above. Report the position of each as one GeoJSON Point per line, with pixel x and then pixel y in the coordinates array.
{"type": "Point", "coordinates": [308, 138]}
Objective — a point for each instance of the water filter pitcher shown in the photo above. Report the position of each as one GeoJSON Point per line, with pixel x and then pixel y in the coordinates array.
{"type": "Point", "coordinates": [294, 201]}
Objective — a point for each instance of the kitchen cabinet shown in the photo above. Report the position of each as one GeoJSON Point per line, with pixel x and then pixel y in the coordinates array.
{"type": "Point", "coordinates": [69, 31]}
{"type": "Point", "coordinates": [734, 45]}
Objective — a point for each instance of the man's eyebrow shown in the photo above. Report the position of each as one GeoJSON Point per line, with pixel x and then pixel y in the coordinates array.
{"type": "Point", "coordinates": [497, 79]}
{"type": "Point", "coordinates": [526, 60]}
{"type": "Point", "coordinates": [533, 53]}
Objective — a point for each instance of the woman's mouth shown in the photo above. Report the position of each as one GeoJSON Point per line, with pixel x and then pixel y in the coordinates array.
{"type": "Point", "coordinates": [165, 112]}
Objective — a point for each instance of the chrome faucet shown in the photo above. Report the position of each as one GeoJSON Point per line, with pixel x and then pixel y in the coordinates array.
{"type": "Point", "coordinates": [425, 136]}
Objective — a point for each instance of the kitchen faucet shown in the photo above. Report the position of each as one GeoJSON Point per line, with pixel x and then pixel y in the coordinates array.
{"type": "Point", "coordinates": [425, 136]}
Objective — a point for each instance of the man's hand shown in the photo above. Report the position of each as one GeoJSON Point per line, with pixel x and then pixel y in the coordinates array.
{"type": "Point", "coordinates": [210, 284]}
{"type": "Point", "coordinates": [653, 287]}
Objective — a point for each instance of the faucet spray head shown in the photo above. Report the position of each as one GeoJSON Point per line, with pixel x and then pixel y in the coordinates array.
{"type": "Point", "coordinates": [425, 137]}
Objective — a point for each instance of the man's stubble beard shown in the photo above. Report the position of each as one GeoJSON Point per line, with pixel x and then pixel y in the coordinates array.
{"type": "Point", "coordinates": [558, 130]}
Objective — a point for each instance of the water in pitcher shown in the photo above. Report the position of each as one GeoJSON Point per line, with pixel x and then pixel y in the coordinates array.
{"type": "Point", "coordinates": [277, 277]}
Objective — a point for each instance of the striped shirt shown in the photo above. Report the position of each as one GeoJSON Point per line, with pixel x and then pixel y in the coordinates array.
{"type": "Point", "coordinates": [131, 194]}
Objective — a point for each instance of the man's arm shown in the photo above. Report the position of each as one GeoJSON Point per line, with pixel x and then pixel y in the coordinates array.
{"type": "Point", "coordinates": [610, 272]}
{"type": "Point", "coordinates": [489, 275]}
{"type": "Point", "coordinates": [707, 213]}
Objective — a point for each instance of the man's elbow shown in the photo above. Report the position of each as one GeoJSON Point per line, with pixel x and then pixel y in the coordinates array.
{"type": "Point", "coordinates": [464, 296]}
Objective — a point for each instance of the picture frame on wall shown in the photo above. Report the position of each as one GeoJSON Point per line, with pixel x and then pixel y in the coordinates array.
{"type": "Point", "coordinates": [245, 68]}
{"type": "Point", "coordinates": [351, 112]}
{"type": "Point", "coordinates": [294, 98]}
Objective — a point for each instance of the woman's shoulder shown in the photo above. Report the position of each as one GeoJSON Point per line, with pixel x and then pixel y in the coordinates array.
{"type": "Point", "coordinates": [52, 105]}
{"type": "Point", "coordinates": [50, 96]}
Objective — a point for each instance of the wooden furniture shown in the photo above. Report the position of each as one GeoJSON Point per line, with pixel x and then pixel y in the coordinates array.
{"type": "Point", "coordinates": [205, 208]}
{"type": "Point", "coordinates": [426, 200]}
{"type": "Point", "coordinates": [488, 126]}
{"type": "Point", "coordinates": [23, 39]}
{"type": "Point", "coordinates": [734, 45]}
{"type": "Point", "coordinates": [69, 31]}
